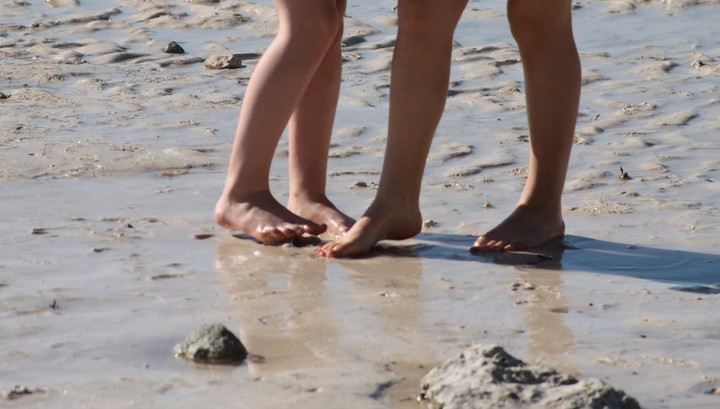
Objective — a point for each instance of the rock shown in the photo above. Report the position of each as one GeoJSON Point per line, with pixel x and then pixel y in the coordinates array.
{"type": "Point", "coordinates": [488, 377]}
{"type": "Point", "coordinates": [220, 62]}
{"type": "Point", "coordinates": [429, 223]}
{"type": "Point", "coordinates": [174, 48]}
{"type": "Point", "coordinates": [4, 96]}
{"type": "Point", "coordinates": [211, 343]}
{"type": "Point", "coordinates": [18, 392]}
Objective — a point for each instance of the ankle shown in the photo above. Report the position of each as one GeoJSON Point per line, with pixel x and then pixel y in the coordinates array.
{"type": "Point", "coordinates": [308, 197]}
{"type": "Point", "coordinates": [404, 219]}
{"type": "Point", "coordinates": [242, 193]}
{"type": "Point", "coordinates": [397, 201]}
{"type": "Point", "coordinates": [541, 206]}
{"type": "Point", "coordinates": [309, 204]}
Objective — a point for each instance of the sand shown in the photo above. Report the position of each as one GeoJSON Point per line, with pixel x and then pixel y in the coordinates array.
{"type": "Point", "coordinates": [112, 154]}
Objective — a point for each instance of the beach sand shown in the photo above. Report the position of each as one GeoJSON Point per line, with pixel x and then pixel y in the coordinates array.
{"type": "Point", "coordinates": [112, 154]}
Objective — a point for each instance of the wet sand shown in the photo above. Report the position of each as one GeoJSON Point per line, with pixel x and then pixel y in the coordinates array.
{"type": "Point", "coordinates": [112, 154]}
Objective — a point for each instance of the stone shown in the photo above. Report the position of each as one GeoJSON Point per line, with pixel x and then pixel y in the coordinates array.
{"type": "Point", "coordinates": [488, 377]}
{"type": "Point", "coordinates": [223, 62]}
{"type": "Point", "coordinates": [213, 344]}
{"type": "Point", "coordinates": [19, 391]}
{"type": "Point", "coordinates": [174, 48]}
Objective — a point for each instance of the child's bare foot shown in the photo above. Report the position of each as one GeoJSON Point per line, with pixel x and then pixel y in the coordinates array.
{"type": "Point", "coordinates": [378, 223]}
{"type": "Point", "coordinates": [525, 228]}
{"type": "Point", "coordinates": [322, 211]}
{"type": "Point", "coordinates": [261, 216]}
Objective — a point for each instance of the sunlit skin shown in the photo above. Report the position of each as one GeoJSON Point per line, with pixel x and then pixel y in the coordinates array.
{"type": "Point", "coordinates": [295, 83]}
{"type": "Point", "coordinates": [420, 77]}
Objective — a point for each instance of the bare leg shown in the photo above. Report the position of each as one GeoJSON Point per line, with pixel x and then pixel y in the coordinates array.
{"type": "Point", "coordinates": [310, 130]}
{"type": "Point", "coordinates": [543, 30]}
{"type": "Point", "coordinates": [308, 28]}
{"type": "Point", "coordinates": [419, 83]}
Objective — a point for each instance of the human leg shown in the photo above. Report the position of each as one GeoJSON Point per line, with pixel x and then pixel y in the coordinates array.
{"type": "Point", "coordinates": [543, 31]}
{"type": "Point", "coordinates": [311, 126]}
{"type": "Point", "coordinates": [418, 89]}
{"type": "Point", "coordinates": [307, 30]}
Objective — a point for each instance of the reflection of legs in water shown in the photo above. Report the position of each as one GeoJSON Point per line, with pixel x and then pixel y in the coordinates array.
{"type": "Point", "coordinates": [390, 292]}
{"type": "Point", "coordinates": [280, 301]}
{"type": "Point", "coordinates": [550, 339]}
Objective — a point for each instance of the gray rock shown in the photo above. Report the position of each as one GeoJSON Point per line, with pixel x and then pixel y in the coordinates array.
{"type": "Point", "coordinates": [220, 62]}
{"type": "Point", "coordinates": [488, 377]}
{"type": "Point", "coordinates": [211, 343]}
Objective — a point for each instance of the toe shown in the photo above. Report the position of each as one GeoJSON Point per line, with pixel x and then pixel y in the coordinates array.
{"type": "Point", "coordinates": [272, 234]}
{"type": "Point", "coordinates": [326, 250]}
{"type": "Point", "coordinates": [290, 231]}
{"type": "Point", "coordinates": [314, 229]}
{"type": "Point", "coordinates": [479, 244]}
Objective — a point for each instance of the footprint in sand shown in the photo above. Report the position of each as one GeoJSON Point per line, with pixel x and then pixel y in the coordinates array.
{"type": "Point", "coordinates": [449, 151]}
{"type": "Point", "coordinates": [496, 160]}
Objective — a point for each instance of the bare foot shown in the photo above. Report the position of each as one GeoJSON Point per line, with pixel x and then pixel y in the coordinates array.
{"type": "Point", "coordinates": [262, 217]}
{"type": "Point", "coordinates": [525, 228]}
{"type": "Point", "coordinates": [322, 211]}
{"type": "Point", "coordinates": [378, 223]}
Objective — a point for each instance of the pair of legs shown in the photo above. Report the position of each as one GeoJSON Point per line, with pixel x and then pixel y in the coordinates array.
{"type": "Point", "coordinates": [420, 77]}
{"type": "Point", "coordinates": [297, 81]}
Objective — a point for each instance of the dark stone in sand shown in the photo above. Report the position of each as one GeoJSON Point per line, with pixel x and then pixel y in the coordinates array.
{"type": "Point", "coordinates": [488, 377]}
{"type": "Point", "coordinates": [213, 344]}
{"type": "Point", "coordinates": [174, 48]}
{"type": "Point", "coordinates": [19, 391]}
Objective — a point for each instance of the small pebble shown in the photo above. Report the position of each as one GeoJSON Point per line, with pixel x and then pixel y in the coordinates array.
{"type": "Point", "coordinates": [429, 223]}
{"type": "Point", "coordinates": [174, 48]}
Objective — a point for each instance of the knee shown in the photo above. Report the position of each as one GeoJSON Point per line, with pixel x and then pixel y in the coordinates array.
{"type": "Point", "coordinates": [317, 29]}
{"type": "Point", "coordinates": [326, 28]}
{"type": "Point", "coordinates": [429, 17]}
{"type": "Point", "coordinates": [535, 21]}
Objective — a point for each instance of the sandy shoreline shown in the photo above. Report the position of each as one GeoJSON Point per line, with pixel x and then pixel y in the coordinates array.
{"type": "Point", "coordinates": [112, 154]}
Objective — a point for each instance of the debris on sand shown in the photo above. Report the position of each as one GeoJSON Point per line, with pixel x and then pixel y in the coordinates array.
{"type": "Point", "coordinates": [223, 62]}
{"type": "Point", "coordinates": [488, 377]}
